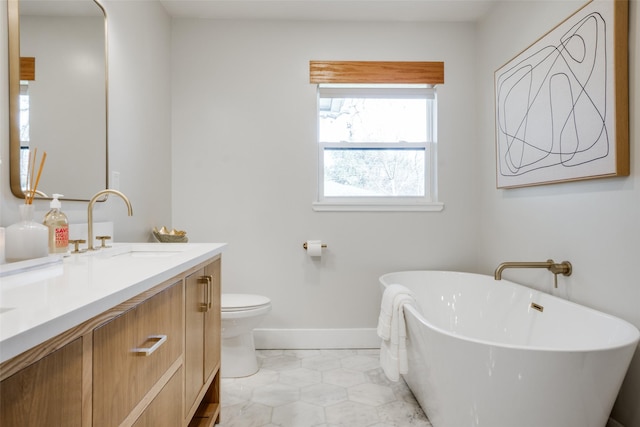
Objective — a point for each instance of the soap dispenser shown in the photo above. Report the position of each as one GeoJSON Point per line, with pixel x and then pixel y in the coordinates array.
{"type": "Point", "coordinates": [58, 225]}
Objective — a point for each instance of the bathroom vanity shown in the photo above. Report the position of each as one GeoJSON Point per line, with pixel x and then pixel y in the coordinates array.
{"type": "Point", "coordinates": [127, 336]}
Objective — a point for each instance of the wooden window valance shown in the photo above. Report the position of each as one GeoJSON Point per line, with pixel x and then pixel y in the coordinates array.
{"type": "Point", "coordinates": [27, 68]}
{"type": "Point", "coordinates": [376, 72]}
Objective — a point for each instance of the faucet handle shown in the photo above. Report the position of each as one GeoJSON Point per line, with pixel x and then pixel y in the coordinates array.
{"type": "Point", "coordinates": [75, 244]}
{"type": "Point", "coordinates": [565, 268]}
{"type": "Point", "coordinates": [103, 238]}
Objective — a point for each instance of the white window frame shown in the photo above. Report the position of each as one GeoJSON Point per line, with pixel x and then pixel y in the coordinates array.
{"type": "Point", "coordinates": [428, 202]}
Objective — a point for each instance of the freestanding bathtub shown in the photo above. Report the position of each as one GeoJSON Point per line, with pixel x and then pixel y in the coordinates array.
{"type": "Point", "coordinates": [487, 353]}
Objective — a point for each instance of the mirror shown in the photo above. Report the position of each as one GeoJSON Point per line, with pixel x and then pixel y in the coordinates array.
{"type": "Point", "coordinates": [59, 103]}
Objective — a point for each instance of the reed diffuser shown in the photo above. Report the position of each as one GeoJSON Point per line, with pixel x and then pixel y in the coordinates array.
{"type": "Point", "coordinates": [27, 239]}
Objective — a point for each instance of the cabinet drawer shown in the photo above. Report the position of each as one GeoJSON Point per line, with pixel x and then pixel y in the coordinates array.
{"type": "Point", "coordinates": [132, 351]}
{"type": "Point", "coordinates": [166, 408]}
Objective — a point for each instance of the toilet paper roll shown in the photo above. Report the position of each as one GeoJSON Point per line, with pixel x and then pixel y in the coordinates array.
{"type": "Point", "coordinates": [314, 248]}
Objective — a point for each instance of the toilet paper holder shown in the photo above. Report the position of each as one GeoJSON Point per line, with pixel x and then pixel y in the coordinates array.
{"type": "Point", "coordinates": [304, 245]}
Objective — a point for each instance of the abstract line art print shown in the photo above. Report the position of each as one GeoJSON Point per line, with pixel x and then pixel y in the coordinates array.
{"type": "Point", "coordinates": [562, 104]}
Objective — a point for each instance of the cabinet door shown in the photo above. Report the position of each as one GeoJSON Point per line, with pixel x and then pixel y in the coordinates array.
{"type": "Point", "coordinates": [212, 319]}
{"type": "Point", "coordinates": [46, 393]}
{"type": "Point", "coordinates": [195, 306]}
{"type": "Point", "coordinates": [165, 410]}
{"type": "Point", "coordinates": [202, 344]}
{"type": "Point", "coordinates": [132, 352]}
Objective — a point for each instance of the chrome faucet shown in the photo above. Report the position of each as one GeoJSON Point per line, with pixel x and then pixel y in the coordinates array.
{"type": "Point", "coordinates": [563, 268]}
{"type": "Point", "coordinates": [90, 212]}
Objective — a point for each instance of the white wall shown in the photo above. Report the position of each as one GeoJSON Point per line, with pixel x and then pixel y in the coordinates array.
{"type": "Point", "coordinates": [139, 123]}
{"type": "Point", "coordinates": [244, 164]}
{"type": "Point", "coordinates": [594, 224]}
{"type": "Point", "coordinates": [140, 114]}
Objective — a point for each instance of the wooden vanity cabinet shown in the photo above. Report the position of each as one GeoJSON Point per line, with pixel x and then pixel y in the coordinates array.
{"type": "Point", "coordinates": [153, 360]}
{"type": "Point", "coordinates": [202, 345]}
{"type": "Point", "coordinates": [47, 392]}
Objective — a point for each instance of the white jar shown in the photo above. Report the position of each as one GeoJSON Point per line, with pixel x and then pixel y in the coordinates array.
{"type": "Point", "coordinates": [26, 239]}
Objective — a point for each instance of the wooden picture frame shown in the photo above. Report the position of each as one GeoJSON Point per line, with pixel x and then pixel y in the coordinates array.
{"type": "Point", "coordinates": [562, 105]}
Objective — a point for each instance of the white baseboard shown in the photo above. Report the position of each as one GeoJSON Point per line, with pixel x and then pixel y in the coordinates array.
{"type": "Point", "coordinates": [613, 423]}
{"type": "Point", "coordinates": [315, 338]}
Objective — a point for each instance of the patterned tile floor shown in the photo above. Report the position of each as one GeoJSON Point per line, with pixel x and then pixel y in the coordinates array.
{"type": "Point", "coordinates": [319, 388]}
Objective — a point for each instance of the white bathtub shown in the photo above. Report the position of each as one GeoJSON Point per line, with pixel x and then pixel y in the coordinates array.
{"type": "Point", "coordinates": [480, 356]}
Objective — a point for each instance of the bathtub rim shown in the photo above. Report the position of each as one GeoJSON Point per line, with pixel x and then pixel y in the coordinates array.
{"type": "Point", "coordinates": [633, 335]}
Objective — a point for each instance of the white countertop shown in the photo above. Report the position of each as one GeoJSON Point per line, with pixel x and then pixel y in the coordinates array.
{"type": "Point", "coordinates": [41, 303]}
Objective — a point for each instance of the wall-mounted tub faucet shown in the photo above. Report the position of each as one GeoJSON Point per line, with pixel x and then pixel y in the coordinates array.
{"type": "Point", "coordinates": [563, 268]}
{"type": "Point", "coordinates": [90, 212]}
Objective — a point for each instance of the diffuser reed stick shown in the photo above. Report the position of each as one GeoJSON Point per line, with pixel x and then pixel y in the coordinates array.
{"type": "Point", "coordinates": [31, 191]}
{"type": "Point", "coordinates": [31, 169]}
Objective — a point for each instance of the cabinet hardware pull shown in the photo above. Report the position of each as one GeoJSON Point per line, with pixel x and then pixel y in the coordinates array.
{"type": "Point", "coordinates": [210, 296]}
{"type": "Point", "coordinates": [204, 306]}
{"type": "Point", "coordinates": [147, 351]}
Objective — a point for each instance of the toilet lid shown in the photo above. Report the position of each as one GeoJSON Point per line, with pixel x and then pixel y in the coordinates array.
{"type": "Point", "coordinates": [237, 302]}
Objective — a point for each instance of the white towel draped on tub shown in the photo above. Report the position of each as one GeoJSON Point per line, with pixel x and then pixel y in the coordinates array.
{"type": "Point", "coordinates": [392, 330]}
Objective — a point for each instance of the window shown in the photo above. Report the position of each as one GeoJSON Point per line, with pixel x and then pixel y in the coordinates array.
{"type": "Point", "coordinates": [377, 147]}
{"type": "Point", "coordinates": [377, 135]}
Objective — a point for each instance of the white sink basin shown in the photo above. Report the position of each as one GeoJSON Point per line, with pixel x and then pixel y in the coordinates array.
{"type": "Point", "coordinates": [133, 250]}
{"type": "Point", "coordinates": [142, 250]}
{"type": "Point", "coordinates": [150, 254]}
{"type": "Point", "coordinates": [28, 265]}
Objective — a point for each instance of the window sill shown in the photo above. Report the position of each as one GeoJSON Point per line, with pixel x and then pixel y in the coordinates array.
{"type": "Point", "coordinates": [377, 207]}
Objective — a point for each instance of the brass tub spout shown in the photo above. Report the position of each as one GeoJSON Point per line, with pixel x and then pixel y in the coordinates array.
{"type": "Point", "coordinates": [563, 268]}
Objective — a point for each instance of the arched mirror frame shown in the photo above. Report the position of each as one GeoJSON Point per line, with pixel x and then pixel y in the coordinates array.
{"type": "Point", "coordinates": [13, 21]}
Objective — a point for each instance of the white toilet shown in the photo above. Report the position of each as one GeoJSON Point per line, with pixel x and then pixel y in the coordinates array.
{"type": "Point", "coordinates": [241, 313]}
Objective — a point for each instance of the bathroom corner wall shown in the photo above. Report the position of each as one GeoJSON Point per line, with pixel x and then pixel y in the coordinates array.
{"type": "Point", "coordinates": [140, 115]}
{"type": "Point", "coordinates": [139, 122]}
{"type": "Point", "coordinates": [594, 224]}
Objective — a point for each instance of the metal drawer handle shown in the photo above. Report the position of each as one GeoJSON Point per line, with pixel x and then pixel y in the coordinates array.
{"type": "Point", "coordinates": [204, 306]}
{"type": "Point", "coordinates": [210, 292]}
{"type": "Point", "coordinates": [147, 351]}
{"type": "Point", "coordinates": [207, 281]}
